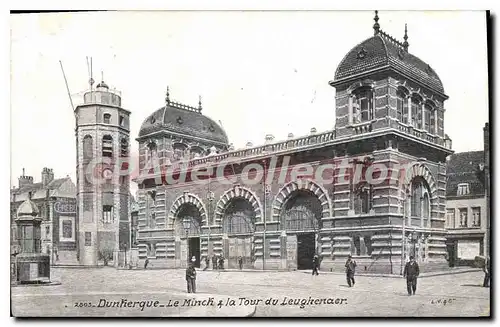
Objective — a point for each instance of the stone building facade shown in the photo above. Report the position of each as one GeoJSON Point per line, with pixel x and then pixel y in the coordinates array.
{"type": "Point", "coordinates": [389, 113]}
{"type": "Point", "coordinates": [103, 147]}
{"type": "Point", "coordinates": [466, 207]}
{"type": "Point", "coordinates": [56, 200]}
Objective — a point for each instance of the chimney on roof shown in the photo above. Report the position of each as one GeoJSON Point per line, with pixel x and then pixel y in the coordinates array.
{"type": "Point", "coordinates": [47, 176]}
{"type": "Point", "coordinates": [25, 180]}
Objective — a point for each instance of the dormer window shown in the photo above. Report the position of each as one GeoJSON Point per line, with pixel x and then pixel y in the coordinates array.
{"type": "Point", "coordinates": [107, 118]}
{"type": "Point", "coordinates": [463, 189]}
{"type": "Point", "coordinates": [122, 121]}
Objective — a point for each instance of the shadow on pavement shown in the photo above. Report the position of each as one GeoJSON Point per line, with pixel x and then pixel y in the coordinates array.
{"type": "Point", "coordinates": [472, 285]}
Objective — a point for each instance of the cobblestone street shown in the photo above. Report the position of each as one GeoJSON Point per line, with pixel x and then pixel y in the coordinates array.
{"type": "Point", "coordinates": [446, 295]}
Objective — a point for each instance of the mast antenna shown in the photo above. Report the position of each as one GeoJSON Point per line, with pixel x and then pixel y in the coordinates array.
{"type": "Point", "coordinates": [67, 87]}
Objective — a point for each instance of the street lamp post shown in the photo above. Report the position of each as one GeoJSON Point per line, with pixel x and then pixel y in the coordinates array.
{"type": "Point", "coordinates": [210, 197]}
{"type": "Point", "coordinates": [186, 223]}
{"type": "Point", "coordinates": [403, 230]}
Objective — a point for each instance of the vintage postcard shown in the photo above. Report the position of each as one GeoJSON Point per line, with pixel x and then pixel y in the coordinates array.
{"type": "Point", "coordinates": [250, 164]}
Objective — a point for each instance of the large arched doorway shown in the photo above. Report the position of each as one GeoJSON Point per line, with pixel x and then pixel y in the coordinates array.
{"type": "Point", "coordinates": [188, 227]}
{"type": "Point", "coordinates": [418, 215]}
{"type": "Point", "coordinates": [239, 226]}
{"type": "Point", "coordinates": [301, 213]}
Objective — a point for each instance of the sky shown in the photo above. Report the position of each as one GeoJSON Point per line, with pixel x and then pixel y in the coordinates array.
{"type": "Point", "coordinates": [258, 72]}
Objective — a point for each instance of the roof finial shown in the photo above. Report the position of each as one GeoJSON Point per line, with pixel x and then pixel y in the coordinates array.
{"type": "Point", "coordinates": [23, 171]}
{"type": "Point", "coordinates": [102, 76]}
{"type": "Point", "coordinates": [376, 26]}
{"type": "Point", "coordinates": [405, 43]}
{"type": "Point", "coordinates": [167, 98]}
{"type": "Point", "coordinates": [199, 103]}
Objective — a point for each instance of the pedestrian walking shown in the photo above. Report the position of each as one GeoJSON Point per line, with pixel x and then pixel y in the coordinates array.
{"type": "Point", "coordinates": [486, 269]}
{"type": "Point", "coordinates": [411, 273]}
{"type": "Point", "coordinates": [214, 262]}
{"type": "Point", "coordinates": [315, 265]}
{"type": "Point", "coordinates": [240, 262]}
{"type": "Point", "coordinates": [221, 263]}
{"type": "Point", "coordinates": [350, 270]}
{"type": "Point", "coordinates": [207, 263]}
{"type": "Point", "coordinates": [191, 278]}
{"type": "Point", "coordinates": [146, 262]}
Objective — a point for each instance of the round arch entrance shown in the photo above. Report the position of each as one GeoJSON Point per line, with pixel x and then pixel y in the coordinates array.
{"type": "Point", "coordinates": [239, 225]}
{"type": "Point", "coordinates": [187, 223]}
{"type": "Point", "coordinates": [301, 214]}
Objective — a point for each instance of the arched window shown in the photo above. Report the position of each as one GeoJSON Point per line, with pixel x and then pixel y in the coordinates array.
{"type": "Point", "coordinates": [427, 117]}
{"type": "Point", "coordinates": [420, 200]}
{"type": "Point", "coordinates": [426, 212]}
{"type": "Point", "coordinates": [179, 151]}
{"type": "Point", "coordinates": [239, 217]}
{"type": "Point", "coordinates": [429, 107]}
{"type": "Point", "coordinates": [416, 112]}
{"type": "Point", "coordinates": [107, 146]}
{"type": "Point", "coordinates": [196, 152]}
{"type": "Point", "coordinates": [150, 208]}
{"type": "Point", "coordinates": [88, 147]}
{"type": "Point", "coordinates": [124, 147]}
{"type": "Point", "coordinates": [151, 151]}
{"type": "Point", "coordinates": [362, 199]}
{"type": "Point", "coordinates": [402, 105]}
{"type": "Point", "coordinates": [302, 211]}
{"type": "Point", "coordinates": [362, 105]}
{"type": "Point", "coordinates": [107, 118]}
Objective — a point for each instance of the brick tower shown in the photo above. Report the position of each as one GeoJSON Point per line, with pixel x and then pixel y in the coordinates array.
{"type": "Point", "coordinates": [102, 142]}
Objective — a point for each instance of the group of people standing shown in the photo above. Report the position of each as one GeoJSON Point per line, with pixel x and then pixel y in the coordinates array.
{"type": "Point", "coordinates": [217, 262]}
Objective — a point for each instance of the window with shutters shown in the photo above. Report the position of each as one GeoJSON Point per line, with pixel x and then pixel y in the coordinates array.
{"type": "Point", "coordinates": [107, 214]}
{"type": "Point", "coordinates": [107, 146]}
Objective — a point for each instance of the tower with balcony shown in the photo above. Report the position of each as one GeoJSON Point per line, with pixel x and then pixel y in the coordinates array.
{"type": "Point", "coordinates": [102, 141]}
{"type": "Point", "coordinates": [389, 96]}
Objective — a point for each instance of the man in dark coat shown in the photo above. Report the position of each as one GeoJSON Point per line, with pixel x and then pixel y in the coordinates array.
{"type": "Point", "coordinates": [411, 273]}
{"type": "Point", "coordinates": [146, 262]}
{"type": "Point", "coordinates": [207, 263]}
{"type": "Point", "coordinates": [214, 262]}
{"type": "Point", "coordinates": [315, 265]}
{"type": "Point", "coordinates": [487, 265]}
{"type": "Point", "coordinates": [240, 262]}
{"type": "Point", "coordinates": [191, 278]}
{"type": "Point", "coordinates": [221, 262]}
{"type": "Point", "coordinates": [350, 270]}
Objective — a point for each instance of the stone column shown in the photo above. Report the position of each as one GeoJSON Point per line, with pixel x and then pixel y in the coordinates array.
{"type": "Point", "coordinates": [422, 110]}
{"type": "Point", "coordinates": [350, 109]}
{"type": "Point", "coordinates": [408, 105]}
{"type": "Point", "coordinates": [435, 113]}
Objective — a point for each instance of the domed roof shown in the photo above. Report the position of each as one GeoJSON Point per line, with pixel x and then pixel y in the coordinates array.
{"type": "Point", "coordinates": [28, 208]}
{"type": "Point", "coordinates": [103, 85]}
{"type": "Point", "coordinates": [381, 51]}
{"type": "Point", "coordinates": [184, 120]}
